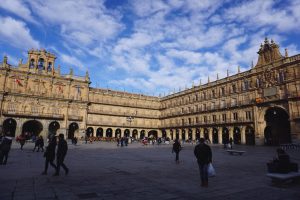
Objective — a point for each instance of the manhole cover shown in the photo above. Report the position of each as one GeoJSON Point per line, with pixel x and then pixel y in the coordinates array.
{"type": "Point", "coordinates": [87, 195]}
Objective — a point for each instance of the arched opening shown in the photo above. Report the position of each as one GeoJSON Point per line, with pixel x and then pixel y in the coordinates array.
{"type": "Point", "coordinates": [237, 135]}
{"type": "Point", "coordinates": [135, 134]}
{"type": "Point", "coordinates": [32, 127]}
{"type": "Point", "coordinates": [99, 132]}
{"type": "Point", "coordinates": [197, 133]}
{"type": "Point", "coordinates": [41, 64]}
{"type": "Point", "coordinates": [152, 133]}
{"type": "Point", "coordinates": [225, 135]}
{"type": "Point", "coordinates": [109, 132]}
{"type": "Point", "coordinates": [118, 133]}
{"type": "Point", "coordinates": [164, 133]}
{"type": "Point", "coordinates": [278, 130]}
{"type": "Point", "coordinates": [127, 133]}
{"type": "Point", "coordinates": [73, 127]}
{"type": "Point", "coordinates": [215, 136]}
{"type": "Point", "coordinates": [250, 137]}
{"type": "Point", "coordinates": [190, 134]}
{"type": "Point", "coordinates": [9, 127]}
{"type": "Point", "coordinates": [172, 134]}
{"type": "Point", "coordinates": [142, 134]}
{"type": "Point", "coordinates": [53, 127]}
{"type": "Point", "coordinates": [206, 134]}
{"type": "Point", "coordinates": [177, 134]}
{"type": "Point", "coordinates": [183, 135]}
{"type": "Point", "coordinates": [31, 65]}
{"type": "Point", "coordinates": [90, 132]}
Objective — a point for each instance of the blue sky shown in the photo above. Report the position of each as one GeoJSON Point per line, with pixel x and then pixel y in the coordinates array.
{"type": "Point", "coordinates": [148, 46]}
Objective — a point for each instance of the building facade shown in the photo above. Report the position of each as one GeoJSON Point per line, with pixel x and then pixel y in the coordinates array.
{"type": "Point", "coordinates": [258, 106]}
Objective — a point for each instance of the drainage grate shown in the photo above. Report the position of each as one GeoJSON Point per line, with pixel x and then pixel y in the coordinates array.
{"type": "Point", "coordinates": [87, 195]}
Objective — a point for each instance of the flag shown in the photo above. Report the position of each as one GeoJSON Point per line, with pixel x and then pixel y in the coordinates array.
{"type": "Point", "coordinates": [18, 81]}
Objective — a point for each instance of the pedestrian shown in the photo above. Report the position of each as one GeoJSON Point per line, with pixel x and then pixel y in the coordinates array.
{"type": "Point", "coordinates": [230, 142]}
{"type": "Point", "coordinates": [176, 148]}
{"type": "Point", "coordinates": [61, 153]}
{"type": "Point", "coordinates": [36, 144]}
{"type": "Point", "coordinates": [50, 154]}
{"type": "Point", "coordinates": [22, 140]}
{"type": "Point", "coordinates": [86, 138]}
{"type": "Point", "coordinates": [41, 144]}
{"type": "Point", "coordinates": [204, 156]}
{"type": "Point", "coordinates": [5, 146]}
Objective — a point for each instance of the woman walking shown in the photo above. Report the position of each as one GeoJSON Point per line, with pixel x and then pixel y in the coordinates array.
{"type": "Point", "coordinates": [176, 149]}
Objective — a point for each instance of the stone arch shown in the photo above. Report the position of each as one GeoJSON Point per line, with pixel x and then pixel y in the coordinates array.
{"type": "Point", "coordinates": [198, 133]}
{"type": "Point", "coordinates": [53, 127]}
{"type": "Point", "coordinates": [183, 134]}
{"type": "Point", "coordinates": [206, 134]}
{"type": "Point", "coordinates": [153, 133]}
{"type": "Point", "coordinates": [32, 127]}
{"type": "Point", "coordinates": [118, 132]}
{"type": "Point", "coordinates": [215, 137]}
{"type": "Point", "coordinates": [278, 129]}
{"type": "Point", "coordinates": [126, 133]}
{"type": "Point", "coordinates": [142, 134]}
{"type": "Point", "coordinates": [250, 136]}
{"type": "Point", "coordinates": [135, 134]}
{"type": "Point", "coordinates": [164, 133]}
{"type": "Point", "coordinates": [108, 132]}
{"type": "Point", "coordinates": [90, 131]}
{"type": "Point", "coordinates": [9, 127]}
{"type": "Point", "coordinates": [99, 132]}
{"type": "Point", "coordinates": [237, 138]}
{"type": "Point", "coordinates": [225, 135]}
{"type": "Point", "coordinates": [73, 127]}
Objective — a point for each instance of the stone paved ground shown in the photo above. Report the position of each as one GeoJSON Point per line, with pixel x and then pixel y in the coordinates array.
{"type": "Point", "coordinates": [104, 171]}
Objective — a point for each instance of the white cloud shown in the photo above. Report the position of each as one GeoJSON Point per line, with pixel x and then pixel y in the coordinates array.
{"type": "Point", "coordinates": [73, 61]}
{"type": "Point", "coordinates": [16, 34]}
{"type": "Point", "coordinates": [19, 8]}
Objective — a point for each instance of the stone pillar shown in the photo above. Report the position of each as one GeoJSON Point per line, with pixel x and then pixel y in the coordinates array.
{"type": "Point", "coordinates": [210, 134]}
{"type": "Point", "coordinates": [220, 134]}
{"type": "Point", "coordinates": [243, 135]}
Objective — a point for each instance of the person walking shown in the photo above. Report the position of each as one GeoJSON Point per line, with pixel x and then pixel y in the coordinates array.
{"type": "Point", "coordinates": [22, 140]}
{"type": "Point", "coordinates": [176, 148]}
{"type": "Point", "coordinates": [36, 144]}
{"type": "Point", "coordinates": [61, 153]}
{"type": "Point", "coordinates": [5, 146]}
{"type": "Point", "coordinates": [204, 156]}
{"type": "Point", "coordinates": [50, 154]}
{"type": "Point", "coordinates": [41, 144]}
{"type": "Point", "coordinates": [230, 142]}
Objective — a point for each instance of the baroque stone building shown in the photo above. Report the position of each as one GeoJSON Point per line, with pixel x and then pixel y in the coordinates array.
{"type": "Point", "coordinates": [258, 106]}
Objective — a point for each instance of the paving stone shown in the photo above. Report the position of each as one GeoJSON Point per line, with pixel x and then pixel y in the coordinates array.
{"type": "Point", "coordinates": [138, 172]}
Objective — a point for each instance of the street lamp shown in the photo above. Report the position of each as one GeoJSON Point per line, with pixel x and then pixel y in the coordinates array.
{"type": "Point", "coordinates": [129, 119]}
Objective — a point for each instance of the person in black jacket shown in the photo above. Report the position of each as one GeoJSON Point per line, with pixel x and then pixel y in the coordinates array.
{"type": "Point", "coordinates": [176, 148]}
{"type": "Point", "coordinates": [5, 145]}
{"type": "Point", "coordinates": [204, 157]}
{"type": "Point", "coordinates": [50, 154]}
{"type": "Point", "coordinates": [61, 153]}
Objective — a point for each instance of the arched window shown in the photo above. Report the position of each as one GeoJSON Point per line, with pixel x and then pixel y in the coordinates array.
{"type": "Point", "coordinates": [41, 64]}
{"type": "Point", "coordinates": [31, 65]}
{"type": "Point", "coordinates": [49, 66]}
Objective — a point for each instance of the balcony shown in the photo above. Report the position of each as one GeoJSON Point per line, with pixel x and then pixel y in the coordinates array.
{"type": "Point", "coordinates": [35, 115]}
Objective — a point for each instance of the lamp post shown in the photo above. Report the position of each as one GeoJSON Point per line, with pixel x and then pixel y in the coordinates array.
{"type": "Point", "coordinates": [129, 119]}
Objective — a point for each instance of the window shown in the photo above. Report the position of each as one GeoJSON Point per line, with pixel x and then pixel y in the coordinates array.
{"type": "Point", "coordinates": [204, 95]}
{"type": "Point", "coordinates": [196, 97]}
{"type": "Point", "coordinates": [222, 91]}
{"type": "Point", "coordinates": [214, 118]}
{"type": "Point", "coordinates": [246, 85]}
{"type": "Point", "coordinates": [281, 77]}
{"type": "Point", "coordinates": [213, 105]}
{"type": "Point", "coordinates": [235, 116]}
{"type": "Point", "coordinates": [197, 120]}
{"type": "Point", "coordinates": [31, 65]}
{"type": "Point", "coordinates": [222, 104]}
{"type": "Point", "coordinates": [258, 82]}
{"type": "Point", "coordinates": [182, 121]}
{"type": "Point", "coordinates": [205, 119]}
{"type": "Point", "coordinates": [41, 64]}
{"type": "Point", "coordinates": [190, 121]}
{"type": "Point", "coordinates": [213, 93]}
{"type": "Point", "coordinates": [49, 68]}
{"type": "Point", "coordinates": [204, 107]}
{"type": "Point", "coordinates": [182, 110]}
{"type": "Point", "coordinates": [189, 108]}
{"type": "Point", "coordinates": [248, 115]}
{"type": "Point", "coordinates": [196, 108]}
{"type": "Point", "coordinates": [233, 88]}
{"type": "Point", "coordinates": [224, 117]}
{"type": "Point", "coordinates": [233, 102]}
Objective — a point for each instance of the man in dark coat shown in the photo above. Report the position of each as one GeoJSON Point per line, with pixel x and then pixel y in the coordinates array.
{"type": "Point", "coordinates": [61, 153]}
{"type": "Point", "coordinates": [176, 148]}
{"type": "Point", "coordinates": [50, 154]}
{"type": "Point", "coordinates": [204, 157]}
{"type": "Point", "coordinates": [5, 146]}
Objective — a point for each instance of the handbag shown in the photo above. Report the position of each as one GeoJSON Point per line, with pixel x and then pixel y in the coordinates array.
{"type": "Point", "coordinates": [211, 170]}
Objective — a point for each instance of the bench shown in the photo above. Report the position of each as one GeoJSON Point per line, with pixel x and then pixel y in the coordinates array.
{"type": "Point", "coordinates": [231, 152]}
{"type": "Point", "coordinates": [281, 178]}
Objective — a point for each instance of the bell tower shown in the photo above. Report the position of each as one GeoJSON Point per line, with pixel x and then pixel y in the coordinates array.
{"type": "Point", "coordinates": [41, 60]}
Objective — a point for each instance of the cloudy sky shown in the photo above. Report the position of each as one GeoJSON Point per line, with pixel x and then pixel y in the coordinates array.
{"type": "Point", "coordinates": [148, 46]}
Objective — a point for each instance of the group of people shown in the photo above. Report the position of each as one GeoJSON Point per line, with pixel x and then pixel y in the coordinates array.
{"type": "Point", "coordinates": [203, 154]}
{"type": "Point", "coordinates": [39, 144]}
{"type": "Point", "coordinates": [62, 148]}
{"type": "Point", "coordinates": [123, 141]}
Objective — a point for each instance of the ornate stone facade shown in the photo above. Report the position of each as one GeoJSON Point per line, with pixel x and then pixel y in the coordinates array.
{"type": "Point", "coordinates": [259, 106]}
